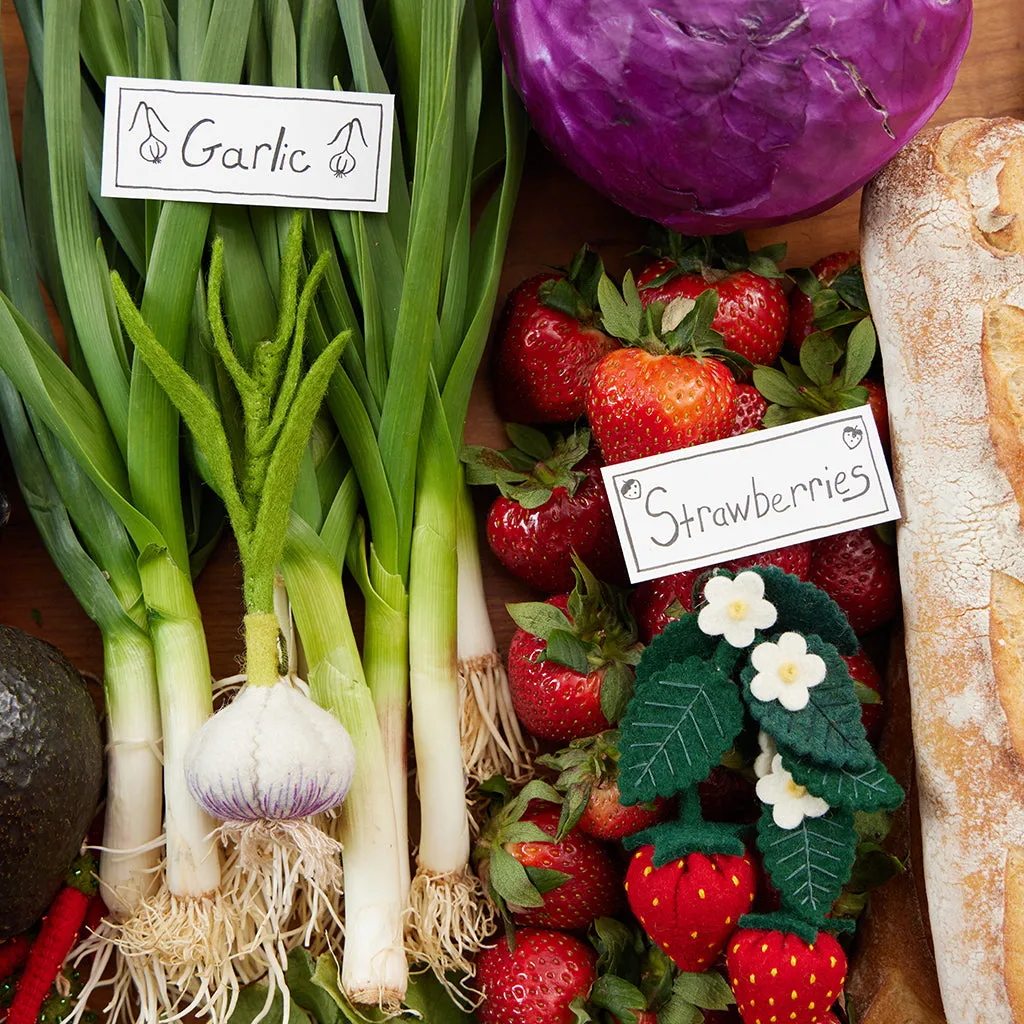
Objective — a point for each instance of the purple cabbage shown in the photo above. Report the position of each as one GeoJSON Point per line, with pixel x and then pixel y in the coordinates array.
{"type": "Point", "coordinates": [711, 116]}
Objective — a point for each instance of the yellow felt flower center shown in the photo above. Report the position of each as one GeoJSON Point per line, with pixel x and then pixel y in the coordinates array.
{"type": "Point", "coordinates": [789, 671]}
{"type": "Point", "coordinates": [794, 790]}
{"type": "Point", "coordinates": [738, 609]}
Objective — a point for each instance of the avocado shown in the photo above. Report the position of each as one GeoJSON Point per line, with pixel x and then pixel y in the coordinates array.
{"type": "Point", "coordinates": [51, 770]}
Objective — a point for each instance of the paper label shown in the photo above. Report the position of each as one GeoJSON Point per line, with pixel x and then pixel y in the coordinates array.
{"type": "Point", "coordinates": [248, 145]}
{"type": "Point", "coordinates": [714, 502]}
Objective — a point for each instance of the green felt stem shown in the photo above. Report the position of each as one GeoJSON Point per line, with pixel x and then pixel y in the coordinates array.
{"type": "Point", "coordinates": [690, 833]}
{"type": "Point", "coordinates": [261, 661]}
{"type": "Point", "coordinates": [785, 921]}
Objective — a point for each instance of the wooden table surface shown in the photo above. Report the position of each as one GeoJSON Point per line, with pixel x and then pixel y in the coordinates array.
{"type": "Point", "coordinates": [556, 214]}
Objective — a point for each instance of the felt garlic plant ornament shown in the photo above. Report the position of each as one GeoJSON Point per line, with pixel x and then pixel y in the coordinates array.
{"type": "Point", "coordinates": [271, 761]}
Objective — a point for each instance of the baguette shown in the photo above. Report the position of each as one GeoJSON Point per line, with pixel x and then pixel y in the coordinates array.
{"type": "Point", "coordinates": [943, 257]}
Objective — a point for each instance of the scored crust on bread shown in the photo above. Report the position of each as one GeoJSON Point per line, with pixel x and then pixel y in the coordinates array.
{"type": "Point", "coordinates": [943, 259]}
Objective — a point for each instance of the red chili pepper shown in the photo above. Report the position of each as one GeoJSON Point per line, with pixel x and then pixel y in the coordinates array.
{"type": "Point", "coordinates": [13, 954]}
{"type": "Point", "coordinates": [55, 940]}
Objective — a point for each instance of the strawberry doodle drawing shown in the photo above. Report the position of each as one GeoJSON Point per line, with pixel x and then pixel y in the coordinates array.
{"type": "Point", "coordinates": [152, 148]}
{"type": "Point", "coordinates": [343, 162]}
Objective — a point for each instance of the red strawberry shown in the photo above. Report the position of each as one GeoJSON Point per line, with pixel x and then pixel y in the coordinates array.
{"type": "Point", "coordinates": [778, 973]}
{"type": "Point", "coordinates": [553, 700]}
{"type": "Point", "coordinates": [537, 981]}
{"type": "Point", "coordinates": [726, 795]}
{"type": "Point", "coordinates": [549, 343]}
{"type": "Point", "coordinates": [606, 818]}
{"type": "Point", "coordinates": [690, 906]}
{"type": "Point", "coordinates": [593, 888]}
{"type": "Point", "coordinates": [862, 669]}
{"type": "Point", "coordinates": [642, 404]}
{"type": "Point", "coordinates": [801, 308]}
{"type": "Point", "coordinates": [552, 503]}
{"type": "Point", "coordinates": [794, 559]}
{"type": "Point", "coordinates": [750, 409]}
{"type": "Point", "coordinates": [859, 572]}
{"type": "Point", "coordinates": [753, 314]}
{"type": "Point", "coordinates": [588, 776]}
{"type": "Point", "coordinates": [879, 408]}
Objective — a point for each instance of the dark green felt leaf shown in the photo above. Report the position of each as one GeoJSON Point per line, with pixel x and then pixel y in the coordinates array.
{"type": "Point", "coordinates": [804, 608]}
{"type": "Point", "coordinates": [828, 730]}
{"type": "Point", "coordinates": [811, 863]}
{"type": "Point", "coordinates": [676, 728]}
{"type": "Point", "coordinates": [864, 789]}
{"type": "Point", "coordinates": [678, 641]}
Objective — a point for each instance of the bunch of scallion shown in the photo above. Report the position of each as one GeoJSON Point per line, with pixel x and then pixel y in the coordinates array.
{"type": "Point", "coordinates": [378, 491]}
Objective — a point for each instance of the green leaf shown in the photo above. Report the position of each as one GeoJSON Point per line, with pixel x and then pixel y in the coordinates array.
{"type": "Point", "coordinates": [825, 303]}
{"type": "Point", "coordinates": [806, 280]}
{"type": "Point", "coordinates": [530, 440]}
{"type": "Point", "coordinates": [309, 993]}
{"type": "Point", "coordinates": [708, 990]}
{"type": "Point", "coordinates": [508, 878]}
{"type": "Point", "coordinates": [524, 832]}
{"type": "Point", "coordinates": [565, 648]}
{"type": "Point", "coordinates": [764, 266]}
{"type": "Point", "coordinates": [617, 946]}
{"type": "Point", "coordinates": [865, 694]}
{"type": "Point", "coordinates": [860, 352]}
{"type": "Point", "coordinates": [849, 285]}
{"type": "Point", "coordinates": [618, 996]}
{"type": "Point", "coordinates": [539, 618]}
{"type": "Point", "coordinates": [546, 879]}
{"type": "Point", "coordinates": [429, 998]}
{"type": "Point", "coordinates": [776, 387]}
{"type": "Point", "coordinates": [868, 789]}
{"type": "Point", "coordinates": [677, 726]}
{"type": "Point", "coordinates": [811, 863]}
{"type": "Point", "coordinates": [872, 826]}
{"type": "Point", "coordinates": [679, 1010]}
{"type": "Point", "coordinates": [616, 689]}
{"type": "Point", "coordinates": [620, 319]}
{"type": "Point", "coordinates": [253, 999]}
{"type": "Point", "coordinates": [818, 356]}
{"type": "Point", "coordinates": [829, 729]}
{"type": "Point", "coordinates": [561, 296]}
{"type": "Point", "coordinates": [803, 608]}
{"type": "Point", "coordinates": [840, 318]}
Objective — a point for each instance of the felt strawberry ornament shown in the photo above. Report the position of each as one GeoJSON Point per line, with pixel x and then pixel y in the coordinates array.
{"type": "Point", "coordinates": [778, 974]}
{"type": "Point", "coordinates": [692, 904]}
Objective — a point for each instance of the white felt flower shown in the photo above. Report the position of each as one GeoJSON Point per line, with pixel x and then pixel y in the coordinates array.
{"type": "Point", "coordinates": [790, 803]}
{"type": "Point", "coordinates": [735, 608]}
{"type": "Point", "coordinates": [763, 761]}
{"type": "Point", "coordinates": [785, 671]}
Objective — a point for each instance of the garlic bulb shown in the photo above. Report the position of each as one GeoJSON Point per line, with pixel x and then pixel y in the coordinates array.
{"type": "Point", "coordinates": [272, 754]}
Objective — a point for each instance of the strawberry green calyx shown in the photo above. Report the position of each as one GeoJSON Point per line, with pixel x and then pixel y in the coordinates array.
{"type": "Point", "coordinates": [690, 833]}
{"type": "Point", "coordinates": [510, 884]}
{"type": "Point", "coordinates": [712, 256]}
{"type": "Point", "coordinates": [575, 294]}
{"type": "Point", "coordinates": [597, 633]}
{"type": "Point", "coordinates": [843, 302]}
{"type": "Point", "coordinates": [681, 328]}
{"type": "Point", "coordinates": [582, 765]}
{"type": "Point", "coordinates": [529, 471]}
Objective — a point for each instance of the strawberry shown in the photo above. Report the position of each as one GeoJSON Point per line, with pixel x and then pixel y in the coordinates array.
{"type": "Point", "coordinates": [549, 341]}
{"type": "Point", "coordinates": [536, 879]}
{"type": "Point", "coordinates": [750, 410]}
{"type": "Point", "coordinates": [858, 570]}
{"type": "Point", "coordinates": [536, 982]}
{"type": "Point", "coordinates": [726, 795]}
{"type": "Point", "coordinates": [879, 408]}
{"type": "Point", "coordinates": [801, 305]}
{"type": "Point", "coordinates": [552, 503]}
{"type": "Point", "coordinates": [656, 603]}
{"type": "Point", "coordinates": [569, 663]}
{"type": "Point", "coordinates": [588, 778]}
{"type": "Point", "coordinates": [671, 388]}
{"type": "Point", "coordinates": [753, 313]}
{"type": "Point", "coordinates": [778, 974]}
{"type": "Point", "coordinates": [863, 671]}
{"type": "Point", "coordinates": [690, 906]}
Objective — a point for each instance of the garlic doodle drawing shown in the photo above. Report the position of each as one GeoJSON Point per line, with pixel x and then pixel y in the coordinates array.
{"type": "Point", "coordinates": [152, 148]}
{"type": "Point", "coordinates": [343, 162]}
